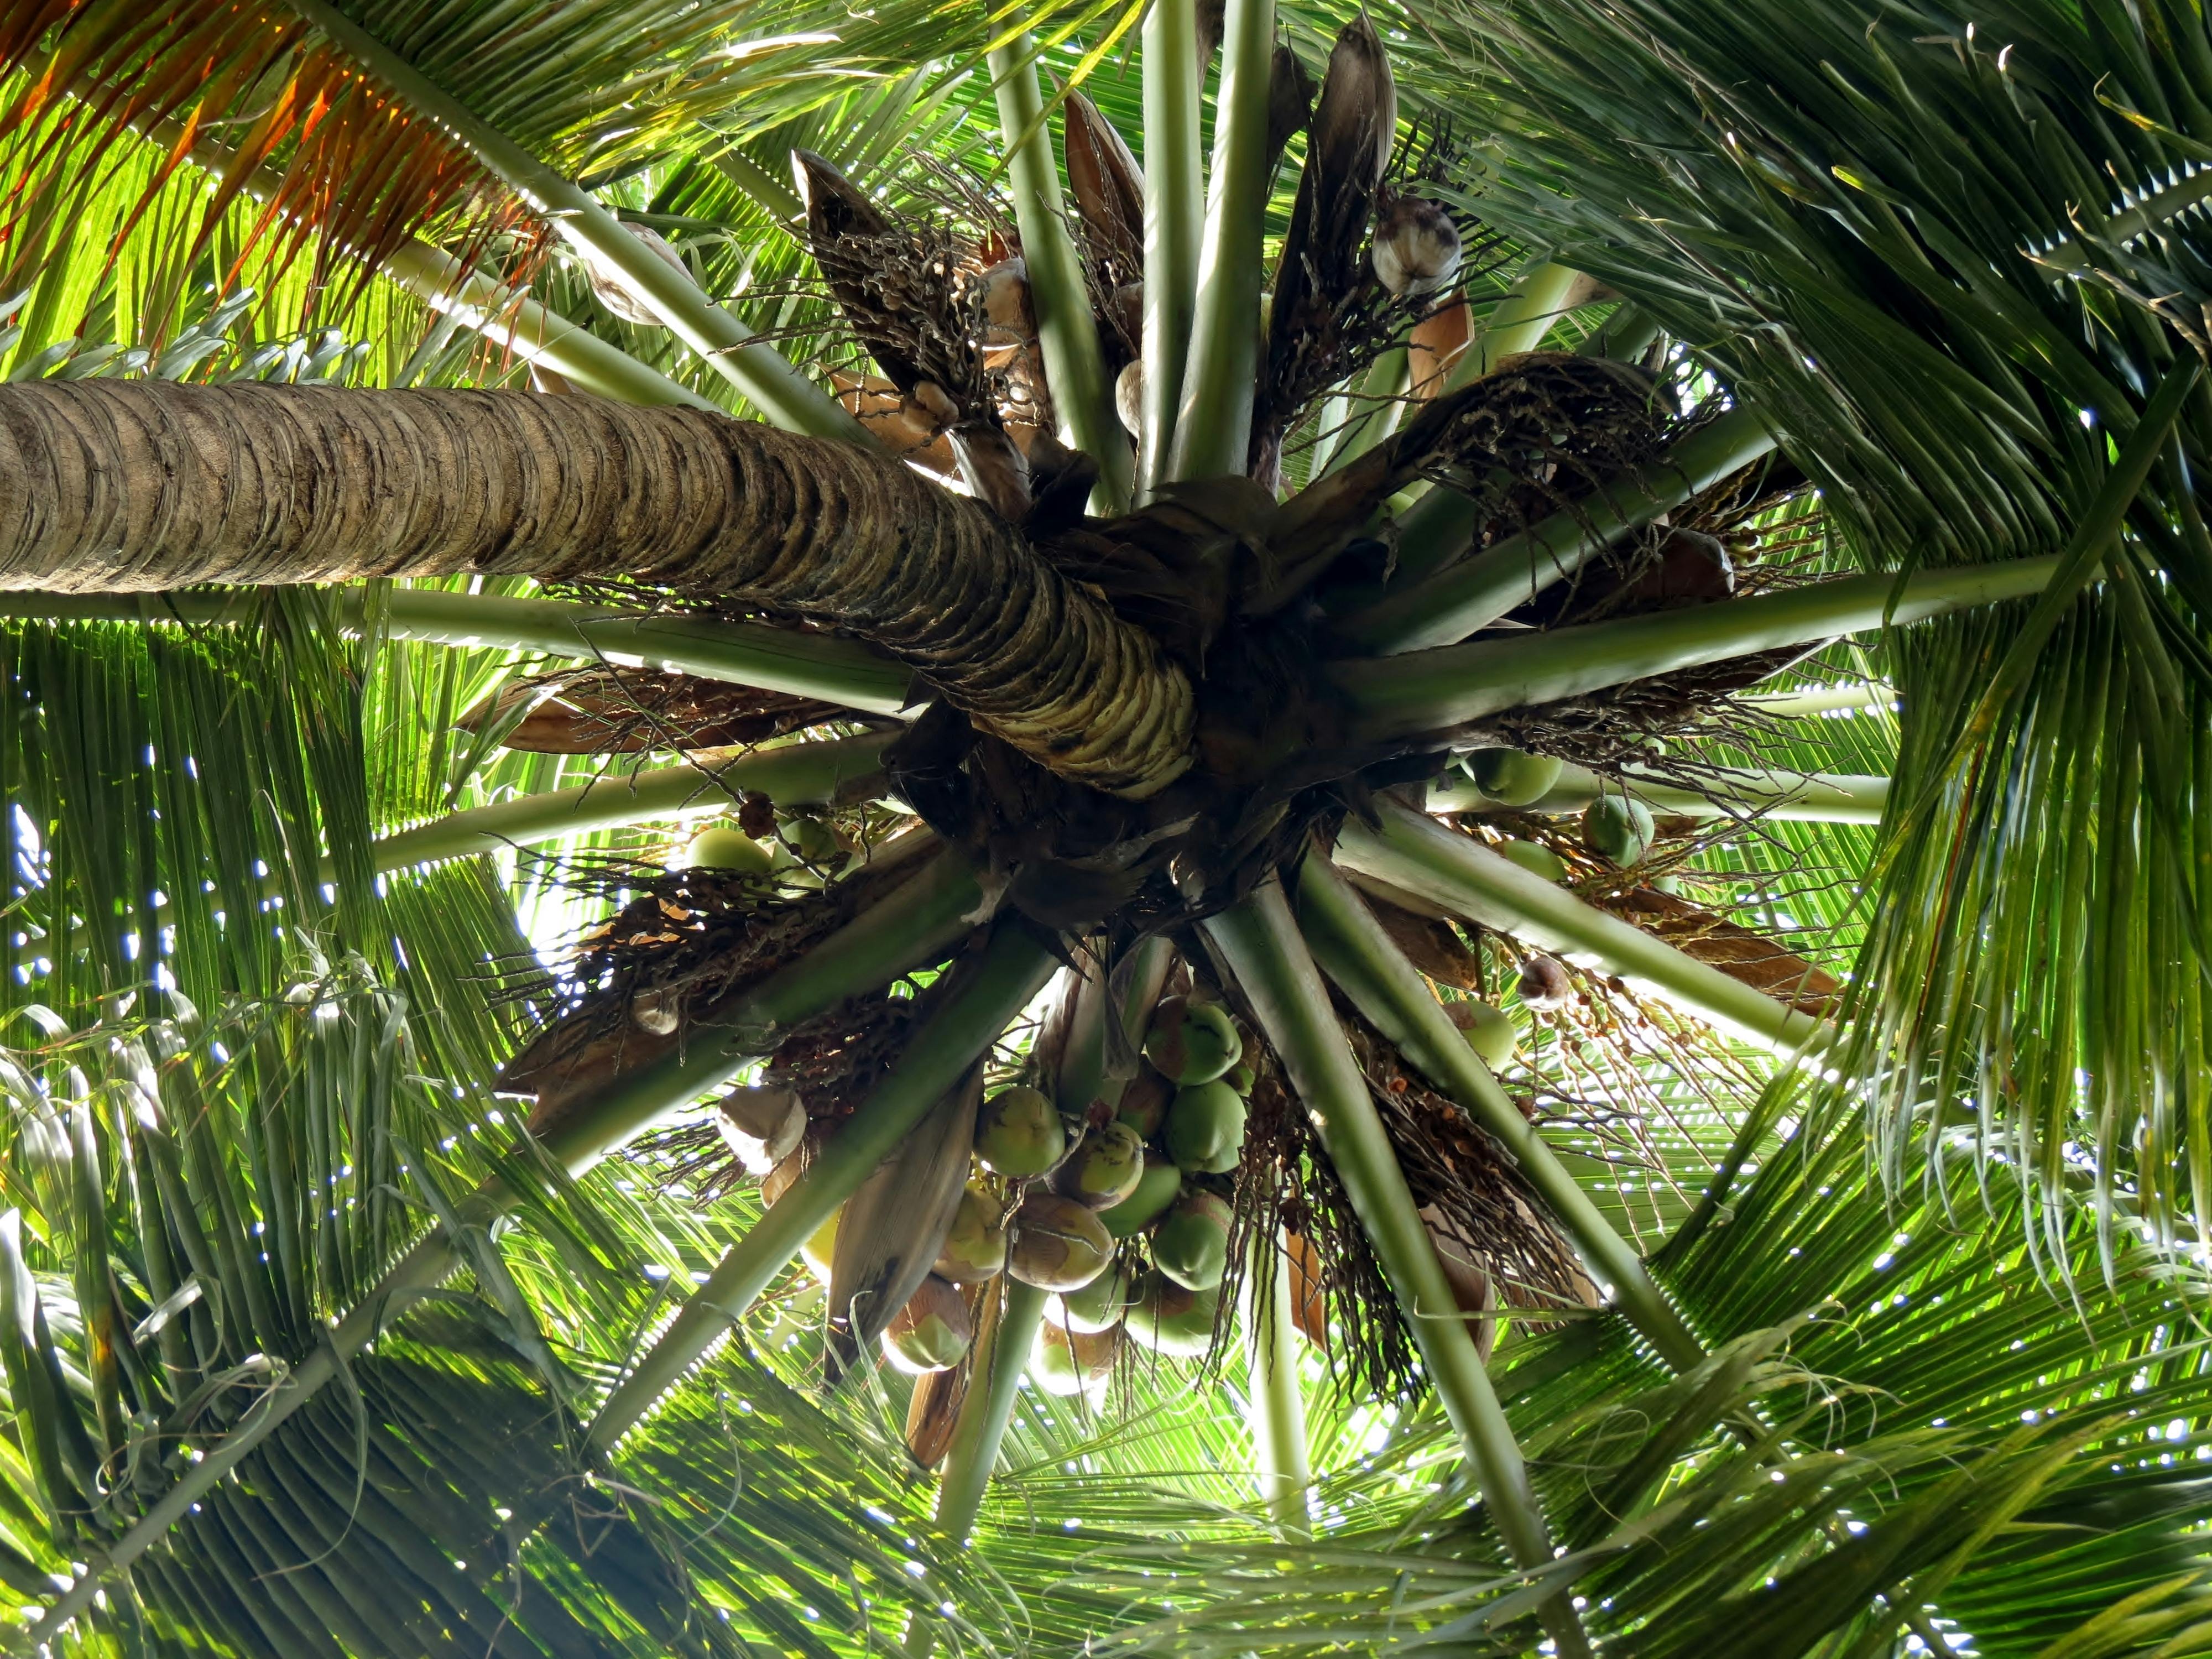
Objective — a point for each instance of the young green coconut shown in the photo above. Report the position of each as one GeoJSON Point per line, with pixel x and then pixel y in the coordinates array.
{"type": "Point", "coordinates": [1155, 1190]}
{"type": "Point", "coordinates": [1617, 828]}
{"type": "Point", "coordinates": [1489, 1030]}
{"type": "Point", "coordinates": [1104, 1170]}
{"type": "Point", "coordinates": [1192, 1042]}
{"type": "Point", "coordinates": [1204, 1128]}
{"type": "Point", "coordinates": [1511, 778]}
{"type": "Point", "coordinates": [1071, 1362]}
{"type": "Point", "coordinates": [1020, 1133]}
{"type": "Point", "coordinates": [1191, 1245]}
{"type": "Point", "coordinates": [1536, 858]}
{"type": "Point", "coordinates": [1172, 1320]}
{"type": "Point", "coordinates": [974, 1247]}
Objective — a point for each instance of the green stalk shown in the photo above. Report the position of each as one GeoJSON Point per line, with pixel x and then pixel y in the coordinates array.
{"type": "Point", "coordinates": [1367, 966]}
{"type": "Point", "coordinates": [1175, 220]}
{"type": "Point", "coordinates": [1074, 367]}
{"type": "Point", "coordinates": [1412, 851]}
{"type": "Point", "coordinates": [797, 774]}
{"type": "Point", "coordinates": [803, 664]}
{"type": "Point", "coordinates": [1280, 1458]}
{"type": "Point", "coordinates": [1518, 322]}
{"type": "Point", "coordinates": [1213, 418]}
{"type": "Point", "coordinates": [1799, 796]}
{"type": "Point", "coordinates": [1379, 402]}
{"type": "Point", "coordinates": [981, 1429]}
{"type": "Point", "coordinates": [1624, 336]}
{"type": "Point", "coordinates": [784, 396]}
{"type": "Point", "coordinates": [1814, 700]}
{"type": "Point", "coordinates": [1436, 601]}
{"type": "Point", "coordinates": [987, 994]}
{"type": "Point", "coordinates": [913, 925]}
{"type": "Point", "coordinates": [518, 324]}
{"type": "Point", "coordinates": [1433, 691]}
{"type": "Point", "coordinates": [1261, 944]}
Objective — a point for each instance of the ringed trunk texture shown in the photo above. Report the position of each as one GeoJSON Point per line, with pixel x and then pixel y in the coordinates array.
{"type": "Point", "coordinates": [108, 487]}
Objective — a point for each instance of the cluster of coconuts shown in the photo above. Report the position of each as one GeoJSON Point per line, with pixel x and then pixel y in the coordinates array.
{"type": "Point", "coordinates": [801, 839]}
{"type": "Point", "coordinates": [1614, 828]}
{"type": "Point", "coordinates": [1076, 1190]}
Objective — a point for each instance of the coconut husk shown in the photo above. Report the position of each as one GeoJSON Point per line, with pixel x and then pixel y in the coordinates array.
{"type": "Point", "coordinates": [1108, 188]}
{"type": "Point", "coordinates": [1352, 132]}
{"type": "Point", "coordinates": [932, 1410]}
{"type": "Point", "coordinates": [1433, 945]}
{"type": "Point", "coordinates": [1746, 956]}
{"type": "Point", "coordinates": [894, 1225]}
{"type": "Point", "coordinates": [626, 711]}
{"type": "Point", "coordinates": [689, 941]}
{"type": "Point", "coordinates": [1437, 340]}
{"type": "Point", "coordinates": [1290, 104]}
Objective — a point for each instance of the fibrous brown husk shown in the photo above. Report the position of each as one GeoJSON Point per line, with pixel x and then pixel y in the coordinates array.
{"type": "Point", "coordinates": [622, 711]}
{"type": "Point", "coordinates": [914, 293]}
{"type": "Point", "coordinates": [686, 944]}
{"type": "Point", "coordinates": [1744, 954]}
{"type": "Point", "coordinates": [1287, 1185]}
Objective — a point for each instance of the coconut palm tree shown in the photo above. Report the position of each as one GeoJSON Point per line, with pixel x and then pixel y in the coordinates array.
{"type": "Point", "coordinates": [1257, 626]}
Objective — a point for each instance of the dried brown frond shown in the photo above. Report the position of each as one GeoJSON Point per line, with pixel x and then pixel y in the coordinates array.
{"type": "Point", "coordinates": [348, 161]}
{"type": "Point", "coordinates": [1467, 1186]}
{"type": "Point", "coordinates": [603, 710]}
{"type": "Point", "coordinates": [685, 944]}
{"type": "Point", "coordinates": [1744, 954]}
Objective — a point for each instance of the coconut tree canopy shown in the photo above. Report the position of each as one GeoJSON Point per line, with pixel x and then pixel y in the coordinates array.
{"type": "Point", "coordinates": [1211, 829]}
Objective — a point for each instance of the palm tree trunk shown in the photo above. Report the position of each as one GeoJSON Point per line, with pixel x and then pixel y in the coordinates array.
{"type": "Point", "coordinates": [121, 487]}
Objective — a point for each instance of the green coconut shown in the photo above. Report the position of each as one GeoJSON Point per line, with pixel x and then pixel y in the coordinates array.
{"type": "Point", "coordinates": [1144, 1105]}
{"type": "Point", "coordinates": [1536, 858]}
{"type": "Point", "coordinates": [810, 839]}
{"type": "Point", "coordinates": [932, 1332]}
{"type": "Point", "coordinates": [1205, 1128]}
{"type": "Point", "coordinates": [1191, 1245]}
{"type": "Point", "coordinates": [1170, 1320]}
{"type": "Point", "coordinates": [974, 1247]}
{"type": "Point", "coordinates": [1617, 828]}
{"type": "Point", "coordinates": [1097, 1306]}
{"type": "Point", "coordinates": [1155, 1190]}
{"type": "Point", "coordinates": [1193, 1042]}
{"type": "Point", "coordinates": [1020, 1131]}
{"type": "Point", "coordinates": [1073, 1361]}
{"type": "Point", "coordinates": [1056, 1243]}
{"type": "Point", "coordinates": [1511, 777]}
{"type": "Point", "coordinates": [1490, 1032]}
{"type": "Point", "coordinates": [721, 846]}
{"type": "Point", "coordinates": [1104, 1170]}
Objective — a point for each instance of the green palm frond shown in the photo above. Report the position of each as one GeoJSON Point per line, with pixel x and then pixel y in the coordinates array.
{"type": "Point", "coordinates": [1868, 233]}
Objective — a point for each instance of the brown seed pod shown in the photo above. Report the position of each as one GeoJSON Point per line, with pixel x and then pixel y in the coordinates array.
{"type": "Point", "coordinates": [762, 1128]}
{"type": "Point", "coordinates": [1545, 983]}
{"type": "Point", "coordinates": [1417, 247]}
